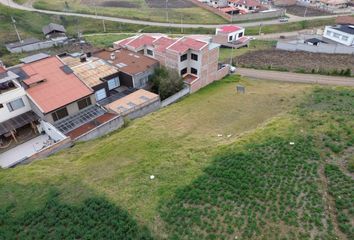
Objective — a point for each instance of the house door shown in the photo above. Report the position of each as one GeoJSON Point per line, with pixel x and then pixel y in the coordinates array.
{"type": "Point", "coordinates": [100, 94]}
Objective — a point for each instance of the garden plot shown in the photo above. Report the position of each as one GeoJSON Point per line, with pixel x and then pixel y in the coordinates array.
{"type": "Point", "coordinates": [301, 10]}
{"type": "Point", "coordinates": [297, 61]}
{"type": "Point", "coordinates": [149, 10]}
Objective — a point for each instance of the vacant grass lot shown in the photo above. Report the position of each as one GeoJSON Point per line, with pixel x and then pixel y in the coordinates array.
{"type": "Point", "coordinates": [174, 144]}
{"type": "Point", "coordinates": [135, 9]}
{"type": "Point", "coordinates": [227, 53]}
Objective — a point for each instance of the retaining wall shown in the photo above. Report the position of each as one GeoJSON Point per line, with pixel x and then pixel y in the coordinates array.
{"type": "Point", "coordinates": [149, 108]}
{"type": "Point", "coordinates": [322, 48]}
{"type": "Point", "coordinates": [103, 129]}
{"type": "Point", "coordinates": [174, 98]}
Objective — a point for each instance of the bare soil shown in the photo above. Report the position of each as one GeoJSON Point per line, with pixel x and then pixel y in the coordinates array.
{"type": "Point", "coordinates": [300, 11]}
{"type": "Point", "coordinates": [171, 3]}
{"type": "Point", "coordinates": [120, 4]}
{"type": "Point", "coordinates": [295, 61]}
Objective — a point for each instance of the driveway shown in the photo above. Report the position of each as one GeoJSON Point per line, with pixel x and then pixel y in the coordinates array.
{"type": "Point", "coordinates": [296, 77]}
{"type": "Point", "coordinates": [28, 7]}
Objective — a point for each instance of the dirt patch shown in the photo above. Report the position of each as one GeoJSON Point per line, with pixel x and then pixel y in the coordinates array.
{"type": "Point", "coordinates": [171, 3]}
{"type": "Point", "coordinates": [300, 11]}
{"type": "Point", "coordinates": [111, 3]}
{"type": "Point", "coordinates": [120, 4]}
{"type": "Point", "coordinates": [296, 61]}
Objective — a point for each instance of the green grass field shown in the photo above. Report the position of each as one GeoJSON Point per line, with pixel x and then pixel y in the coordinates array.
{"type": "Point", "coordinates": [249, 183]}
{"type": "Point", "coordinates": [227, 53]}
{"type": "Point", "coordinates": [140, 11]}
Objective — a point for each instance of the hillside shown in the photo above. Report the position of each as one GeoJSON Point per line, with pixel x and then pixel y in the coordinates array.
{"type": "Point", "coordinates": [250, 182]}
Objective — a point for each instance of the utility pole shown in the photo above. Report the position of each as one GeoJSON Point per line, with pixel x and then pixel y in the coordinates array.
{"type": "Point", "coordinates": [232, 54]}
{"type": "Point", "coordinates": [305, 11]}
{"type": "Point", "coordinates": [166, 11]}
{"type": "Point", "coordinates": [17, 33]}
{"type": "Point", "coordinates": [181, 22]}
{"type": "Point", "coordinates": [260, 29]}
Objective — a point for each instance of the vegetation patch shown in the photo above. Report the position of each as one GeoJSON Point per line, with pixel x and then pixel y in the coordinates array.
{"type": "Point", "coordinates": [266, 186]}
{"type": "Point", "coordinates": [341, 187]}
{"type": "Point", "coordinates": [95, 218]}
{"type": "Point", "coordinates": [303, 62]}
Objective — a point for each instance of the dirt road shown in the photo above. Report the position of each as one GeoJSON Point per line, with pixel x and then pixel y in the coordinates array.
{"type": "Point", "coordinates": [296, 77]}
{"type": "Point", "coordinates": [28, 7]}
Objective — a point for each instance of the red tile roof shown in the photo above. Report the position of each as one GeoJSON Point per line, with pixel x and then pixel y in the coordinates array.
{"type": "Point", "coordinates": [58, 89]}
{"type": "Point", "coordinates": [187, 43]}
{"type": "Point", "coordinates": [228, 9]}
{"type": "Point", "coordinates": [248, 3]}
{"type": "Point", "coordinates": [162, 43]}
{"type": "Point", "coordinates": [141, 41]}
{"type": "Point", "coordinates": [230, 28]}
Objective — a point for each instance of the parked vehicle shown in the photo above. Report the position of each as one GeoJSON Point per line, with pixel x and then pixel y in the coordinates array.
{"type": "Point", "coordinates": [283, 19]}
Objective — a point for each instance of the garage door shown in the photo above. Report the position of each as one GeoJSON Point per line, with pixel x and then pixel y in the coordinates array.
{"type": "Point", "coordinates": [100, 94]}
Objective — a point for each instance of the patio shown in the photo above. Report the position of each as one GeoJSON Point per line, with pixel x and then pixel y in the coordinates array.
{"type": "Point", "coordinates": [19, 153]}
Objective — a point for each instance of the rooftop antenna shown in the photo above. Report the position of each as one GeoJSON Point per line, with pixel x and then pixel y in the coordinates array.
{"type": "Point", "coordinates": [17, 33]}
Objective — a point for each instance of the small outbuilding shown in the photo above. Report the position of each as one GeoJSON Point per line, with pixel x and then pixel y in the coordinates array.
{"type": "Point", "coordinates": [53, 30]}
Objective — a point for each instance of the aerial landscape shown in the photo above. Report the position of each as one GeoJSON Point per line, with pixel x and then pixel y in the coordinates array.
{"type": "Point", "coordinates": [177, 119]}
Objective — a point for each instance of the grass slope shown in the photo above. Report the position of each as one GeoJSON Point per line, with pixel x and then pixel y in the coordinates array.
{"type": "Point", "coordinates": [265, 188]}
{"type": "Point", "coordinates": [175, 144]}
{"type": "Point", "coordinates": [141, 11]}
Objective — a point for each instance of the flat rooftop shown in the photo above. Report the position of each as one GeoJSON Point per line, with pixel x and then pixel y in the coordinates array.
{"type": "Point", "coordinates": [90, 72]}
{"type": "Point", "coordinates": [132, 101]}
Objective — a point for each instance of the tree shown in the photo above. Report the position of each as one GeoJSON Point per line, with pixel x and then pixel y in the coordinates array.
{"type": "Point", "coordinates": [166, 82]}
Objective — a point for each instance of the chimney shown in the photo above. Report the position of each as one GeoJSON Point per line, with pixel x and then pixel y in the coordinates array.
{"type": "Point", "coordinates": [113, 56]}
{"type": "Point", "coordinates": [83, 58]}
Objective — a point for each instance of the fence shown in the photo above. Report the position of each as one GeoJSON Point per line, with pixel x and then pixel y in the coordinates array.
{"type": "Point", "coordinates": [258, 16]}
{"type": "Point", "coordinates": [174, 98]}
{"type": "Point", "coordinates": [325, 8]}
{"type": "Point", "coordinates": [322, 48]}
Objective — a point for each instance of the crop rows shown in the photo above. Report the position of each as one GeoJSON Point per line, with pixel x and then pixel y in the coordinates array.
{"type": "Point", "coordinates": [94, 219]}
{"type": "Point", "coordinates": [341, 187]}
{"type": "Point", "coordinates": [266, 190]}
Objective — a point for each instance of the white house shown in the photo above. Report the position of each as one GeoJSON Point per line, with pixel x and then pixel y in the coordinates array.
{"type": "Point", "coordinates": [343, 34]}
{"type": "Point", "coordinates": [230, 33]}
{"type": "Point", "coordinates": [13, 98]}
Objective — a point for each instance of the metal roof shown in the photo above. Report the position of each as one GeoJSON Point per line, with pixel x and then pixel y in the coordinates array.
{"type": "Point", "coordinates": [34, 58]}
{"type": "Point", "coordinates": [51, 27]}
{"type": "Point", "coordinates": [22, 43]}
{"type": "Point", "coordinates": [17, 122]}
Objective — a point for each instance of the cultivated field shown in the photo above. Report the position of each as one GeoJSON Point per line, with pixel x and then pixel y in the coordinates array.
{"type": "Point", "coordinates": [249, 183]}
{"type": "Point", "coordinates": [303, 11]}
{"type": "Point", "coordinates": [297, 61]}
{"type": "Point", "coordinates": [151, 10]}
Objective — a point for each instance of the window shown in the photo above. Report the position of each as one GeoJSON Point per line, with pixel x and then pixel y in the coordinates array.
{"type": "Point", "coordinates": [184, 57]}
{"type": "Point", "coordinates": [336, 35]}
{"type": "Point", "coordinates": [83, 103]}
{"type": "Point", "coordinates": [329, 33]}
{"type": "Point", "coordinates": [240, 34]}
{"type": "Point", "coordinates": [344, 38]}
{"type": "Point", "coordinates": [113, 83]}
{"type": "Point", "coordinates": [150, 52]}
{"type": "Point", "coordinates": [183, 71]}
{"type": "Point", "coordinates": [59, 114]}
{"type": "Point", "coordinates": [194, 71]}
{"type": "Point", "coordinates": [194, 57]}
{"type": "Point", "coordinates": [100, 94]}
{"type": "Point", "coordinates": [15, 104]}
{"type": "Point", "coordinates": [1, 105]}
{"type": "Point", "coordinates": [230, 38]}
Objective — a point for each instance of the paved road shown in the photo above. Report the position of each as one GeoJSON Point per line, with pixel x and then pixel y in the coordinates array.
{"type": "Point", "coordinates": [140, 22]}
{"type": "Point", "coordinates": [296, 77]}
